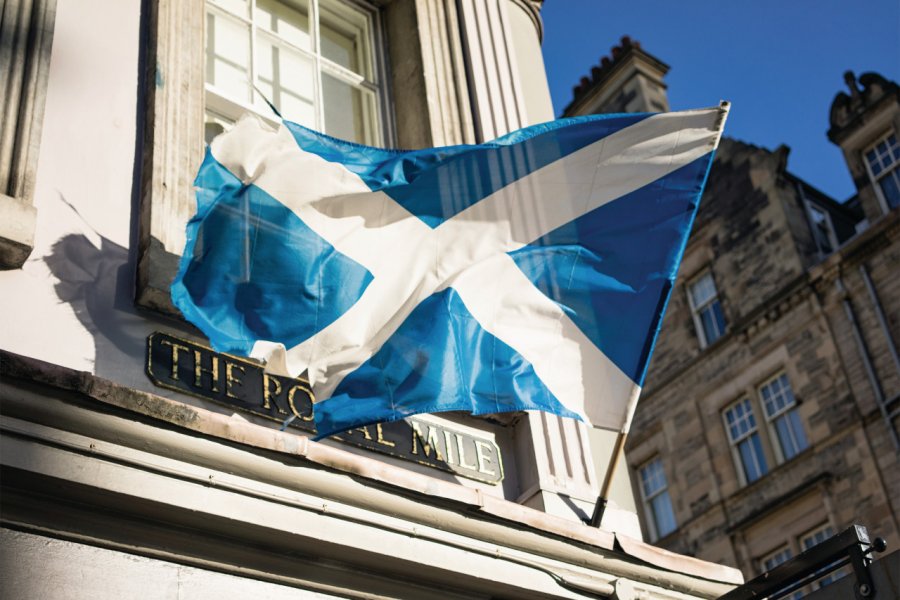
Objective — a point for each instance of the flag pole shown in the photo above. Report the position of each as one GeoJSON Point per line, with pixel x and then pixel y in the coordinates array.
{"type": "Point", "coordinates": [603, 498]}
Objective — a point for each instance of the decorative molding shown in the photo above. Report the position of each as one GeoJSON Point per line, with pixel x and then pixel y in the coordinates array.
{"type": "Point", "coordinates": [173, 135]}
{"type": "Point", "coordinates": [533, 9]}
{"type": "Point", "coordinates": [497, 99]}
{"type": "Point", "coordinates": [558, 451]}
{"type": "Point", "coordinates": [444, 69]}
{"type": "Point", "coordinates": [27, 36]}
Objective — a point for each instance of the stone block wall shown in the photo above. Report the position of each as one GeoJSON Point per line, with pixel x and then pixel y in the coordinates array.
{"type": "Point", "coordinates": [783, 315]}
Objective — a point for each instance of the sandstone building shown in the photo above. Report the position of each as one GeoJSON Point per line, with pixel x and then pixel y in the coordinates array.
{"type": "Point", "coordinates": [769, 416]}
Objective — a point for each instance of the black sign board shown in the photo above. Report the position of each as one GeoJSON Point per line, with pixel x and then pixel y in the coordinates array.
{"type": "Point", "coordinates": [191, 368]}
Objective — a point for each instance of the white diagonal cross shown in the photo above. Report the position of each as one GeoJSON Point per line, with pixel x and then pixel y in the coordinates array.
{"type": "Point", "coordinates": [410, 261]}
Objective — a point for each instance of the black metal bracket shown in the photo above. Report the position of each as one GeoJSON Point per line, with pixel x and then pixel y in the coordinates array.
{"type": "Point", "coordinates": [851, 546]}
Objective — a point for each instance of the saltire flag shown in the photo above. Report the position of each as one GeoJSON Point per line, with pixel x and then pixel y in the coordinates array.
{"type": "Point", "coordinates": [527, 273]}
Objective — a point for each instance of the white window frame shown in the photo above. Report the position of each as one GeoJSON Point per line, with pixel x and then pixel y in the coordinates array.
{"type": "Point", "coordinates": [775, 439]}
{"type": "Point", "coordinates": [649, 513]}
{"type": "Point", "coordinates": [893, 171]}
{"type": "Point", "coordinates": [220, 103]}
{"type": "Point", "coordinates": [735, 443]}
{"type": "Point", "coordinates": [695, 310]}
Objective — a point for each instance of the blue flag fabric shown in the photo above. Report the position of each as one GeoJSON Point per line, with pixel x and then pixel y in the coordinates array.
{"type": "Point", "coordinates": [528, 273]}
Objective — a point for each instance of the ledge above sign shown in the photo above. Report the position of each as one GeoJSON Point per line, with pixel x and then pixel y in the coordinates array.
{"type": "Point", "coordinates": [191, 368]}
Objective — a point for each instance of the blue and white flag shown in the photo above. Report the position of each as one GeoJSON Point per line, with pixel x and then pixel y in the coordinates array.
{"type": "Point", "coordinates": [528, 273]}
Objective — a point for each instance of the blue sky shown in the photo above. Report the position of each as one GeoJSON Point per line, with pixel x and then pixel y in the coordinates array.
{"type": "Point", "coordinates": [779, 63]}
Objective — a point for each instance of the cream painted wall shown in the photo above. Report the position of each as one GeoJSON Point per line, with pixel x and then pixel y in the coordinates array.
{"type": "Point", "coordinates": [70, 304]}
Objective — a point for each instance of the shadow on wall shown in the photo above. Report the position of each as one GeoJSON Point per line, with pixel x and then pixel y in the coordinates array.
{"type": "Point", "coordinates": [97, 284]}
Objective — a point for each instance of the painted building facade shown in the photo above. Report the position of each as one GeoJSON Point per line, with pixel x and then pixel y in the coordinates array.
{"type": "Point", "coordinates": [769, 417]}
{"type": "Point", "coordinates": [138, 463]}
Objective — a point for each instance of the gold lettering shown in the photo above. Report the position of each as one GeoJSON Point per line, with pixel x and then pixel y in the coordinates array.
{"type": "Point", "coordinates": [199, 371]}
{"type": "Point", "coordinates": [416, 436]}
{"type": "Point", "coordinates": [480, 447]}
{"type": "Point", "coordinates": [427, 444]}
{"type": "Point", "coordinates": [449, 446]}
{"type": "Point", "coordinates": [175, 349]}
{"type": "Point", "coordinates": [365, 431]}
{"type": "Point", "coordinates": [380, 439]}
{"type": "Point", "coordinates": [269, 394]}
{"type": "Point", "coordinates": [462, 454]}
{"type": "Point", "coordinates": [293, 406]}
{"type": "Point", "coordinates": [230, 378]}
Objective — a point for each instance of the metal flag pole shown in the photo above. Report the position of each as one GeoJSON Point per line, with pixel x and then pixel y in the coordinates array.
{"type": "Point", "coordinates": [603, 498]}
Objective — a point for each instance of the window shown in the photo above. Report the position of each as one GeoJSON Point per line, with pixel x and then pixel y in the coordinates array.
{"type": "Point", "coordinates": [883, 162]}
{"type": "Point", "coordinates": [782, 555]}
{"type": "Point", "coordinates": [744, 438]}
{"type": "Point", "coordinates": [822, 229]}
{"type": "Point", "coordinates": [657, 504]}
{"type": "Point", "coordinates": [314, 60]}
{"type": "Point", "coordinates": [707, 309]}
{"type": "Point", "coordinates": [813, 538]}
{"type": "Point", "coordinates": [781, 413]}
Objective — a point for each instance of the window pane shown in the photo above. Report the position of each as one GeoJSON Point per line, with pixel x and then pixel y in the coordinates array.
{"type": "Point", "coordinates": [703, 290]}
{"type": "Point", "coordinates": [238, 7]}
{"type": "Point", "coordinates": [790, 434]}
{"type": "Point", "coordinates": [797, 430]}
{"type": "Point", "coordinates": [287, 78]}
{"type": "Point", "coordinates": [785, 437]}
{"type": "Point", "coordinates": [652, 477]}
{"type": "Point", "coordinates": [657, 504]}
{"type": "Point", "coordinates": [713, 321]}
{"type": "Point", "coordinates": [752, 458]}
{"type": "Point", "coordinates": [821, 228]}
{"type": "Point", "coordinates": [281, 62]}
{"type": "Point", "coordinates": [349, 113]}
{"type": "Point", "coordinates": [228, 56]}
{"type": "Point", "coordinates": [289, 20]}
{"type": "Point", "coordinates": [663, 514]}
{"type": "Point", "coordinates": [776, 559]}
{"type": "Point", "coordinates": [891, 190]}
{"type": "Point", "coordinates": [777, 395]}
{"type": "Point", "coordinates": [345, 36]}
{"type": "Point", "coordinates": [740, 420]}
